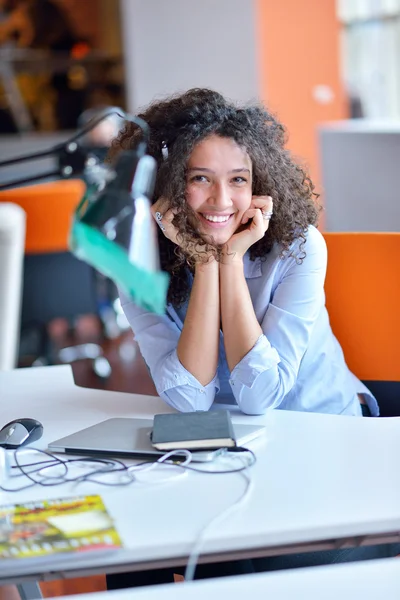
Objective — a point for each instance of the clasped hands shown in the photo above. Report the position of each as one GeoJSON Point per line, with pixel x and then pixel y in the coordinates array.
{"type": "Point", "coordinates": [254, 224]}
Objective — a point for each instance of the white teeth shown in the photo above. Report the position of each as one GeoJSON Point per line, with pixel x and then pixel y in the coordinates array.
{"type": "Point", "coordinates": [216, 219]}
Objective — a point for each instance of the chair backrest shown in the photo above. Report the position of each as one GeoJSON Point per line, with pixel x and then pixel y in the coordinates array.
{"type": "Point", "coordinates": [49, 208]}
{"type": "Point", "coordinates": [12, 240]}
{"type": "Point", "coordinates": [56, 283]}
{"type": "Point", "coordinates": [363, 299]}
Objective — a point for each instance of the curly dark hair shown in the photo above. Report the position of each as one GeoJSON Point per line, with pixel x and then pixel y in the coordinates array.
{"type": "Point", "coordinates": [182, 121]}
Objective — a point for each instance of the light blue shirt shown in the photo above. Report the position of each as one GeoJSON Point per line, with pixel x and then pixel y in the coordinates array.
{"type": "Point", "coordinates": [297, 364]}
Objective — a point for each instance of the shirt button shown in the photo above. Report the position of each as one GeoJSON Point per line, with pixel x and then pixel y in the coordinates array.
{"type": "Point", "coordinates": [176, 376]}
{"type": "Point", "coordinates": [201, 391]}
{"type": "Point", "coordinates": [231, 382]}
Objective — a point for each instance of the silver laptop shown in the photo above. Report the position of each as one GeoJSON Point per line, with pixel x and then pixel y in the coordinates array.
{"type": "Point", "coordinates": [131, 438]}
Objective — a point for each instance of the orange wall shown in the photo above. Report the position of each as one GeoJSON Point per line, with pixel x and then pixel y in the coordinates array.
{"type": "Point", "coordinates": [299, 49]}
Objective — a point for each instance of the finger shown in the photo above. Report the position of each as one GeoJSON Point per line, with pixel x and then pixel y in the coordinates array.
{"type": "Point", "coordinates": [164, 221]}
{"type": "Point", "coordinates": [266, 206]}
{"type": "Point", "coordinates": [258, 221]}
{"type": "Point", "coordinates": [249, 214]}
{"type": "Point", "coordinates": [156, 206]}
{"type": "Point", "coordinates": [160, 206]}
{"type": "Point", "coordinates": [168, 216]}
{"type": "Point", "coordinates": [263, 219]}
{"type": "Point", "coordinates": [161, 211]}
{"type": "Point", "coordinates": [263, 202]}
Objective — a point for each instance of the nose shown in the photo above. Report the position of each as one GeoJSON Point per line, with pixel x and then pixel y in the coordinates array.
{"type": "Point", "coordinates": [220, 197]}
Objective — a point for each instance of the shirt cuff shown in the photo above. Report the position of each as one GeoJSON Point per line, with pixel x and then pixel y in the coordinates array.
{"type": "Point", "coordinates": [174, 375]}
{"type": "Point", "coordinates": [260, 358]}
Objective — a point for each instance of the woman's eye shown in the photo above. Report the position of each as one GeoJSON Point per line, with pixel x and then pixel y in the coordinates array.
{"type": "Point", "coordinates": [200, 178]}
{"type": "Point", "coordinates": [239, 180]}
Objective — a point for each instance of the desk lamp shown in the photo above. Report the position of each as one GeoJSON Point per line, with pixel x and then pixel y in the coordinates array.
{"type": "Point", "coordinates": [112, 229]}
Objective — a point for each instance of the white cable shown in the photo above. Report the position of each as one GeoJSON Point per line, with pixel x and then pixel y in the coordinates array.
{"type": "Point", "coordinates": [195, 553]}
{"type": "Point", "coordinates": [164, 458]}
{"type": "Point", "coordinates": [107, 469]}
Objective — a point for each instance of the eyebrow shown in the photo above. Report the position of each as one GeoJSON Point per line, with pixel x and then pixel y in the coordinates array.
{"type": "Point", "coordinates": [205, 170]}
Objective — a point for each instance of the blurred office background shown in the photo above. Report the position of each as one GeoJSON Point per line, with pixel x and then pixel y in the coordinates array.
{"type": "Point", "coordinates": [329, 68]}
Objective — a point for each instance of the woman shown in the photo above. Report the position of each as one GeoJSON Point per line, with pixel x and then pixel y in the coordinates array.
{"type": "Point", "coordinates": [246, 322]}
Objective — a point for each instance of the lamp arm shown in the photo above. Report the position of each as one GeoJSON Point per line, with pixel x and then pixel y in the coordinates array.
{"type": "Point", "coordinates": [112, 229]}
{"type": "Point", "coordinates": [72, 159]}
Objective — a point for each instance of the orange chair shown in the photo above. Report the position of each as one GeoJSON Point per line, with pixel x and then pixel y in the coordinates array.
{"type": "Point", "coordinates": [49, 208]}
{"type": "Point", "coordinates": [363, 297]}
{"type": "Point", "coordinates": [56, 284]}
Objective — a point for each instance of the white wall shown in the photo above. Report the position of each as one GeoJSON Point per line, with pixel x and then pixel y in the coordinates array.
{"type": "Point", "coordinates": [173, 45]}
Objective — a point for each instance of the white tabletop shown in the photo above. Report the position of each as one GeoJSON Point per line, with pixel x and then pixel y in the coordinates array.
{"type": "Point", "coordinates": [370, 580]}
{"type": "Point", "coordinates": [318, 478]}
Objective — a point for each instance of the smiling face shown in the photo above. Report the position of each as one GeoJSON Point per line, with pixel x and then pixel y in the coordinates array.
{"type": "Point", "coordinates": [219, 186]}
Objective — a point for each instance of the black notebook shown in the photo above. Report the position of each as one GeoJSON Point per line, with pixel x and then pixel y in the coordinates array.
{"type": "Point", "coordinates": [193, 431]}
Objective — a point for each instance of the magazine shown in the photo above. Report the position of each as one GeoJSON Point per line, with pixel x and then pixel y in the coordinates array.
{"type": "Point", "coordinates": [38, 529]}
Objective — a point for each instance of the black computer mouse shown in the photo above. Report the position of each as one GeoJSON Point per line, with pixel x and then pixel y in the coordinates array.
{"type": "Point", "coordinates": [20, 432]}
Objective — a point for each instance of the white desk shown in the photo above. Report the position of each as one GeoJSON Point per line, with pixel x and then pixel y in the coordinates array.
{"type": "Point", "coordinates": [319, 480]}
{"type": "Point", "coordinates": [370, 580]}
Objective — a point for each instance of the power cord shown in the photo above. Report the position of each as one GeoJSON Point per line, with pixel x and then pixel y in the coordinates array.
{"type": "Point", "coordinates": [196, 550]}
{"type": "Point", "coordinates": [177, 459]}
{"type": "Point", "coordinates": [105, 467]}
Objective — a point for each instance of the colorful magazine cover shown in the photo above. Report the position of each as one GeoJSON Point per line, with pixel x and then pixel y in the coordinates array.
{"type": "Point", "coordinates": [37, 529]}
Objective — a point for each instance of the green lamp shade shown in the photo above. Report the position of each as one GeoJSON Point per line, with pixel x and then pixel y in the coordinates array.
{"type": "Point", "coordinates": [148, 289]}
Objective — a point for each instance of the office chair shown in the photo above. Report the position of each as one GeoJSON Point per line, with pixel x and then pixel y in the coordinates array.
{"type": "Point", "coordinates": [363, 296]}
{"type": "Point", "coordinates": [12, 242]}
{"type": "Point", "coordinates": [56, 284]}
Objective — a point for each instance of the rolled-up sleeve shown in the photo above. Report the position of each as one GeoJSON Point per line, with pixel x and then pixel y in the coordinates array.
{"type": "Point", "coordinates": [157, 337]}
{"type": "Point", "coordinates": [267, 373]}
